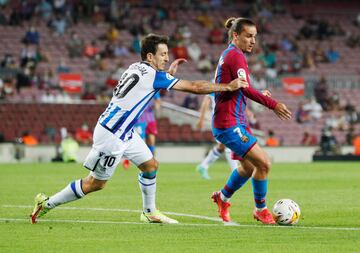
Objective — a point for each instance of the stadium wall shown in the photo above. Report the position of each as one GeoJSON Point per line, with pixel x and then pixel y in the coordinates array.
{"type": "Point", "coordinates": [168, 154]}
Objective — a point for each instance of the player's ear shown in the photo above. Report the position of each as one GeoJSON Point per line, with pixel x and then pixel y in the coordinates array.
{"type": "Point", "coordinates": [149, 57]}
{"type": "Point", "coordinates": [235, 35]}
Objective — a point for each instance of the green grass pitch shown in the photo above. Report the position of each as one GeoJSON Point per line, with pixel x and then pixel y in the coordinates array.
{"type": "Point", "coordinates": [108, 221]}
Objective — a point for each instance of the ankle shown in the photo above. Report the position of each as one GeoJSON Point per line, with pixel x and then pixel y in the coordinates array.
{"type": "Point", "coordinates": [260, 209]}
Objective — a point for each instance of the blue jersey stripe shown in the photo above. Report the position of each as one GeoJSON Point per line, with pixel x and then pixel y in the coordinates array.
{"type": "Point", "coordinates": [238, 105]}
{"type": "Point", "coordinates": [243, 106]}
{"type": "Point", "coordinates": [122, 119]}
{"type": "Point", "coordinates": [133, 122]}
{"type": "Point", "coordinates": [231, 46]}
{"type": "Point", "coordinates": [111, 115]}
{"type": "Point", "coordinates": [218, 78]}
{"type": "Point", "coordinates": [218, 72]}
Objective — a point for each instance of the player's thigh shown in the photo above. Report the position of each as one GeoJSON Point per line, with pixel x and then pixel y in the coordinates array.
{"type": "Point", "coordinates": [236, 138]}
{"type": "Point", "coordinates": [105, 154]}
{"type": "Point", "coordinates": [138, 152]}
{"type": "Point", "coordinates": [258, 157]}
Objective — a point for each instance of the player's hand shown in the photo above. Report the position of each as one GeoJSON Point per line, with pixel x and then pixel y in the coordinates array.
{"type": "Point", "coordinates": [174, 65]}
{"type": "Point", "coordinates": [238, 83]}
{"type": "Point", "coordinates": [282, 111]}
{"type": "Point", "coordinates": [266, 93]}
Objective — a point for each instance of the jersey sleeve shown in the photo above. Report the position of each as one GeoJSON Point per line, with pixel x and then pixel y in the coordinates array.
{"type": "Point", "coordinates": [157, 96]}
{"type": "Point", "coordinates": [239, 68]}
{"type": "Point", "coordinates": [257, 96]}
{"type": "Point", "coordinates": [164, 80]}
{"type": "Point", "coordinates": [238, 65]}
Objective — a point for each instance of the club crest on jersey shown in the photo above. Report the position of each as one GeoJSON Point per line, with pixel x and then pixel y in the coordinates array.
{"type": "Point", "coordinates": [241, 73]}
{"type": "Point", "coordinates": [168, 76]}
{"type": "Point", "coordinates": [244, 138]}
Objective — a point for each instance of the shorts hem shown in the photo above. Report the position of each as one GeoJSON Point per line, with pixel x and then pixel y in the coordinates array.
{"type": "Point", "coordinates": [249, 149]}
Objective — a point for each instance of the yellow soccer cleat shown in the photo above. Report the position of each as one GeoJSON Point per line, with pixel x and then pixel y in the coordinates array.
{"type": "Point", "coordinates": [157, 217]}
{"type": "Point", "coordinates": [39, 209]}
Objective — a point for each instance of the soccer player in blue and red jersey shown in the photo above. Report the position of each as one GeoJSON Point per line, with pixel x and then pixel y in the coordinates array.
{"type": "Point", "coordinates": [230, 125]}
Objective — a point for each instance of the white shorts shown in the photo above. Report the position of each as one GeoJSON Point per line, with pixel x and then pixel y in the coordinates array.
{"type": "Point", "coordinates": [108, 149]}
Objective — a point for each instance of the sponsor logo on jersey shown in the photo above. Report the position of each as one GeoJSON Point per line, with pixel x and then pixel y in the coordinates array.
{"type": "Point", "coordinates": [168, 76]}
{"type": "Point", "coordinates": [241, 73]}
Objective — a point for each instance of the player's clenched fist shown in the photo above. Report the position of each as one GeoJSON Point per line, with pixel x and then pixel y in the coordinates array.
{"type": "Point", "coordinates": [238, 83]}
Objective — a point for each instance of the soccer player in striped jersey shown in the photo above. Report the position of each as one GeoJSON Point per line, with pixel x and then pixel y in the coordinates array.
{"type": "Point", "coordinates": [230, 125]}
{"type": "Point", "coordinates": [114, 137]}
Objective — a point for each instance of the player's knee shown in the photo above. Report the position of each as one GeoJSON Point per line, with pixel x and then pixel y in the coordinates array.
{"type": "Point", "coordinates": [266, 165]}
{"type": "Point", "coordinates": [149, 166]}
{"type": "Point", "coordinates": [153, 165]}
{"type": "Point", "coordinates": [220, 148]}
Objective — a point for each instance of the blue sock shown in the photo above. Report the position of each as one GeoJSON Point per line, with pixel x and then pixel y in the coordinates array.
{"type": "Point", "coordinates": [260, 190]}
{"type": "Point", "coordinates": [152, 148]}
{"type": "Point", "coordinates": [233, 184]}
{"type": "Point", "coordinates": [148, 175]}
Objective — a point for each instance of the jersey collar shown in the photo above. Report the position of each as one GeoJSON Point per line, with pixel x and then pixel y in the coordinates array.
{"type": "Point", "coordinates": [145, 62]}
{"type": "Point", "coordinates": [148, 64]}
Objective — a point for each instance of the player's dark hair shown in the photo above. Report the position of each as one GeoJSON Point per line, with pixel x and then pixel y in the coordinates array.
{"type": "Point", "coordinates": [237, 25]}
{"type": "Point", "coordinates": [150, 42]}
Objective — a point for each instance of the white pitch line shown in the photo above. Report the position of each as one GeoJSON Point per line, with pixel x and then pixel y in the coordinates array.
{"type": "Point", "coordinates": [4, 219]}
{"type": "Point", "coordinates": [104, 222]}
{"type": "Point", "coordinates": [120, 210]}
{"type": "Point", "coordinates": [179, 224]}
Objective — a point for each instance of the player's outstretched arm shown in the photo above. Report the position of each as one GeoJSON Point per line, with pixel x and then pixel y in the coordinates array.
{"type": "Point", "coordinates": [282, 111]}
{"type": "Point", "coordinates": [265, 99]}
{"type": "Point", "coordinates": [205, 87]}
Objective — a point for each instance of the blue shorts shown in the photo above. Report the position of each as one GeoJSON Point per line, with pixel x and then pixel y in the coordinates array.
{"type": "Point", "coordinates": [236, 138]}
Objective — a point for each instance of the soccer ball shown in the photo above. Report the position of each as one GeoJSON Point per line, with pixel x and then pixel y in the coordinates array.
{"type": "Point", "coordinates": [286, 212]}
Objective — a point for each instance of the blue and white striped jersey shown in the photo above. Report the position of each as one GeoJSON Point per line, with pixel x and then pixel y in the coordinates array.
{"type": "Point", "coordinates": [136, 87]}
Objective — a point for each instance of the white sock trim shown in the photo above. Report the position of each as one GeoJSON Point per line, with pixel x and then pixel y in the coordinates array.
{"type": "Point", "coordinates": [223, 197]}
